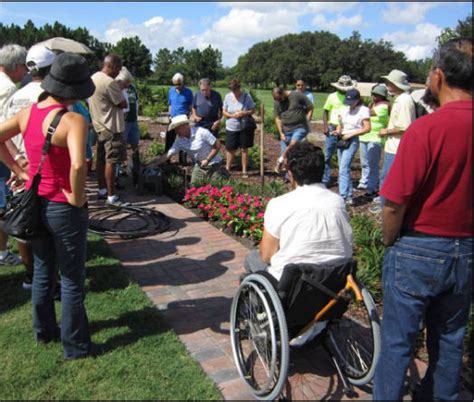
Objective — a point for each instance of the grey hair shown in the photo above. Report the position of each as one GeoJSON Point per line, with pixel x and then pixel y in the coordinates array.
{"type": "Point", "coordinates": [205, 81]}
{"type": "Point", "coordinates": [178, 77]}
{"type": "Point", "coordinates": [125, 75]}
{"type": "Point", "coordinates": [11, 56]}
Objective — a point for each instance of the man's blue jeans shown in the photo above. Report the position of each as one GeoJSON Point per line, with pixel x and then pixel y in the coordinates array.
{"type": "Point", "coordinates": [370, 153]}
{"type": "Point", "coordinates": [388, 159]}
{"type": "Point", "coordinates": [63, 247]}
{"type": "Point", "coordinates": [424, 277]}
{"type": "Point", "coordinates": [298, 135]}
{"type": "Point", "coordinates": [345, 157]}
{"type": "Point", "coordinates": [330, 148]}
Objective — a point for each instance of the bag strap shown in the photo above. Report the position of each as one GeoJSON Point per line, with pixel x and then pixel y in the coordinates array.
{"type": "Point", "coordinates": [49, 134]}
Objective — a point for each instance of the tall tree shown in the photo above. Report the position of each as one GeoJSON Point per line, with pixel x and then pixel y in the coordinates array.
{"type": "Point", "coordinates": [135, 56]}
{"type": "Point", "coordinates": [462, 29]}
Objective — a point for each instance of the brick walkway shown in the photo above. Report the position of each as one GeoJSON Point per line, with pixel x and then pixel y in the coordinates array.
{"type": "Point", "coordinates": [191, 274]}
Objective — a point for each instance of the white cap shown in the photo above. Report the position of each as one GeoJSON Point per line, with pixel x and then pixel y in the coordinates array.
{"type": "Point", "coordinates": [38, 57]}
{"type": "Point", "coordinates": [177, 77]}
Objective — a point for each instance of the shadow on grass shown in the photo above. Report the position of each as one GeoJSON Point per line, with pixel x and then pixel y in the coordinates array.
{"type": "Point", "coordinates": [105, 272]}
{"type": "Point", "coordinates": [12, 295]}
{"type": "Point", "coordinates": [141, 324]}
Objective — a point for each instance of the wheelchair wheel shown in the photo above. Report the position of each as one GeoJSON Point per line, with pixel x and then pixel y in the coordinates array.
{"type": "Point", "coordinates": [354, 340]}
{"type": "Point", "coordinates": [259, 337]}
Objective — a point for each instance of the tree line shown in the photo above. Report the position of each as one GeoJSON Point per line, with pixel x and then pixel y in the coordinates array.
{"type": "Point", "coordinates": [318, 57]}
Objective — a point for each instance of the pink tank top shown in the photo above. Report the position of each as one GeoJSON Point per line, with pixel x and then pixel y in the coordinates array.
{"type": "Point", "coordinates": [56, 167]}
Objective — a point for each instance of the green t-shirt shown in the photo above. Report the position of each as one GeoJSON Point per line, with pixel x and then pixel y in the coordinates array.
{"type": "Point", "coordinates": [334, 105]}
{"type": "Point", "coordinates": [292, 111]}
{"type": "Point", "coordinates": [377, 122]}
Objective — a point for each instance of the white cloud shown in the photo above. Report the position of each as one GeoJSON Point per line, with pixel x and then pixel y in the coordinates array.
{"type": "Point", "coordinates": [294, 6]}
{"type": "Point", "coordinates": [238, 30]}
{"type": "Point", "coordinates": [151, 32]}
{"type": "Point", "coordinates": [407, 13]}
{"type": "Point", "coordinates": [416, 44]}
{"type": "Point", "coordinates": [336, 24]}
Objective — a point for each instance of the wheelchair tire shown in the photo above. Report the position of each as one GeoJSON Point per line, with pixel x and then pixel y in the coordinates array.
{"type": "Point", "coordinates": [259, 337]}
{"type": "Point", "coordinates": [354, 340]}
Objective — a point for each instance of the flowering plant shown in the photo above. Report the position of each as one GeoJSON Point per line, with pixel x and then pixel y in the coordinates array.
{"type": "Point", "coordinates": [242, 214]}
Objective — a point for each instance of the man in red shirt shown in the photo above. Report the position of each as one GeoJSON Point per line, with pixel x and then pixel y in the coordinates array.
{"type": "Point", "coordinates": [427, 227]}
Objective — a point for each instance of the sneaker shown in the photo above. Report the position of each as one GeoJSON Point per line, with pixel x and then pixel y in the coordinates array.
{"type": "Point", "coordinates": [309, 334]}
{"type": "Point", "coordinates": [27, 282]}
{"type": "Point", "coordinates": [349, 202]}
{"type": "Point", "coordinates": [245, 175]}
{"type": "Point", "coordinates": [278, 167]}
{"type": "Point", "coordinates": [102, 195]}
{"type": "Point", "coordinates": [10, 259]}
{"type": "Point", "coordinates": [376, 209]}
{"type": "Point", "coordinates": [115, 201]}
{"type": "Point", "coordinates": [361, 186]}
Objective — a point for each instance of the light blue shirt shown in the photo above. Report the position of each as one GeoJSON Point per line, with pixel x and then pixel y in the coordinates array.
{"type": "Point", "coordinates": [232, 105]}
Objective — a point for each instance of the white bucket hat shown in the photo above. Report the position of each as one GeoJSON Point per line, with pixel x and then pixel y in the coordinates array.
{"type": "Point", "coordinates": [344, 83]}
{"type": "Point", "coordinates": [177, 121]}
{"type": "Point", "coordinates": [399, 79]}
{"type": "Point", "coordinates": [39, 57]}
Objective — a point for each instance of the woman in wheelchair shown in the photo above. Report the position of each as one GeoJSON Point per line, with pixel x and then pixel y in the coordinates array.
{"type": "Point", "coordinates": [307, 225]}
{"type": "Point", "coordinates": [300, 283]}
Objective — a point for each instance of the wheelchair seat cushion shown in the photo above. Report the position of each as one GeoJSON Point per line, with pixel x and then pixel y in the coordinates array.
{"type": "Point", "coordinates": [301, 299]}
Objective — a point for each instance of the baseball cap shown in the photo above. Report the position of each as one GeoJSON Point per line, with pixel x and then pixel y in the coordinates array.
{"type": "Point", "coordinates": [352, 96]}
{"type": "Point", "coordinates": [38, 57]}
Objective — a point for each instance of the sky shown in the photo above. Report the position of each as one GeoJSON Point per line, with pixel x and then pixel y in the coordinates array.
{"type": "Point", "coordinates": [233, 27]}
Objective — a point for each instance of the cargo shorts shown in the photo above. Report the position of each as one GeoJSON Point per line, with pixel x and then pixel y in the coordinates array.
{"type": "Point", "coordinates": [110, 146]}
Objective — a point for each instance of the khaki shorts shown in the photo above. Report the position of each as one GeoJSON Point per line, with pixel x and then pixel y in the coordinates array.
{"type": "Point", "coordinates": [110, 146]}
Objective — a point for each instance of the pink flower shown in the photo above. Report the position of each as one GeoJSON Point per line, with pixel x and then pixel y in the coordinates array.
{"type": "Point", "coordinates": [242, 215]}
{"type": "Point", "coordinates": [201, 206]}
{"type": "Point", "coordinates": [233, 207]}
{"type": "Point", "coordinates": [260, 215]}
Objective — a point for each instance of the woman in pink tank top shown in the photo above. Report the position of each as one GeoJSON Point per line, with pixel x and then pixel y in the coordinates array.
{"type": "Point", "coordinates": [63, 200]}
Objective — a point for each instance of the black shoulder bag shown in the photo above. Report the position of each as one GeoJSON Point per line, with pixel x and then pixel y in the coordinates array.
{"type": "Point", "coordinates": [24, 220]}
{"type": "Point", "coordinates": [247, 123]}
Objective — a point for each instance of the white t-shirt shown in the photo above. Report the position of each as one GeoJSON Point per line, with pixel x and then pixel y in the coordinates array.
{"type": "Point", "coordinates": [352, 119]}
{"type": "Point", "coordinates": [22, 99]}
{"type": "Point", "coordinates": [402, 115]}
{"type": "Point", "coordinates": [312, 226]}
{"type": "Point", "coordinates": [198, 145]}
{"type": "Point", "coordinates": [7, 89]}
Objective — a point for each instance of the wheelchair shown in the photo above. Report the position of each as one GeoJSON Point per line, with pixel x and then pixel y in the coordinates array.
{"type": "Point", "coordinates": [266, 314]}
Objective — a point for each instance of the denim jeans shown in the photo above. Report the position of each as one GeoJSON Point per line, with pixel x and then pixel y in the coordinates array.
{"type": "Point", "coordinates": [63, 248]}
{"type": "Point", "coordinates": [370, 153]}
{"type": "Point", "coordinates": [345, 157]}
{"type": "Point", "coordinates": [330, 148]}
{"type": "Point", "coordinates": [298, 135]}
{"type": "Point", "coordinates": [388, 159]}
{"type": "Point", "coordinates": [424, 277]}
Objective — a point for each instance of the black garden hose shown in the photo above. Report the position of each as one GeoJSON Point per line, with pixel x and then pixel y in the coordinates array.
{"type": "Point", "coordinates": [112, 221]}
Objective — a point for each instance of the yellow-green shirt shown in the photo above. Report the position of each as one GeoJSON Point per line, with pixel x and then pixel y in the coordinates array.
{"type": "Point", "coordinates": [334, 105]}
{"type": "Point", "coordinates": [377, 122]}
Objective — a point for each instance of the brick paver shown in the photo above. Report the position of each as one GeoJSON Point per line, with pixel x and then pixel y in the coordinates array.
{"type": "Point", "coordinates": [191, 274]}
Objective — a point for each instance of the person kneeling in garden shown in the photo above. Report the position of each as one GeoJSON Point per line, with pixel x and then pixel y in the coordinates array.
{"type": "Point", "coordinates": [306, 225]}
{"type": "Point", "coordinates": [201, 145]}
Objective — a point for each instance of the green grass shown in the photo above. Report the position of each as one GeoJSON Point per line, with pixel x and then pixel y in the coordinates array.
{"type": "Point", "coordinates": [265, 96]}
{"type": "Point", "coordinates": [143, 359]}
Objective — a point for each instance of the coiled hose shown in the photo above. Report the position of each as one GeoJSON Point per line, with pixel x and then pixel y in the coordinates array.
{"type": "Point", "coordinates": [127, 222]}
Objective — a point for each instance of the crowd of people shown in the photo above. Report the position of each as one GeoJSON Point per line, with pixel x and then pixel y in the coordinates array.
{"type": "Point", "coordinates": [425, 187]}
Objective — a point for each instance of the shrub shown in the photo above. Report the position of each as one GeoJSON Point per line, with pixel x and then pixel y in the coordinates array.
{"type": "Point", "coordinates": [254, 157]}
{"type": "Point", "coordinates": [369, 251]}
{"type": "Point", "coordinates": [155, 148]}
{"type": "Point", "coordinates": [271, 128]}
{"type": "Point", "coordinates": [144, 135]}
{"type": "Point", "coordinates": [256, 99]}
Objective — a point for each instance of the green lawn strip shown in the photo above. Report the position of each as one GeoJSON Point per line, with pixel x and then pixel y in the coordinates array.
{"type": "Point", "coordinates": [143, 358]}
{"type": "Point", "coordinates": [265, 96]}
